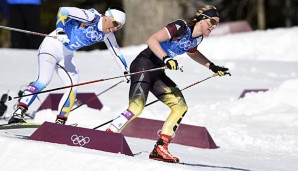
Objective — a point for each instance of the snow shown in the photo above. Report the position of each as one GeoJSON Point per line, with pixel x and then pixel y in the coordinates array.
{"type": "Point", "coordinates": [257, 132]}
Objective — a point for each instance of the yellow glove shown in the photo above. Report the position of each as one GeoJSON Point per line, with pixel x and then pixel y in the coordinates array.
{"type": "Point", "coordinates": [171, 63]}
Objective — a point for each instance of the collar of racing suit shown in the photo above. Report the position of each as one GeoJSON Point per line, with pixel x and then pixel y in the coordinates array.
{"type": "Point", "coordinates": [99, 24]}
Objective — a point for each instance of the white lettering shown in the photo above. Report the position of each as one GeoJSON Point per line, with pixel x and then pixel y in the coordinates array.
{"type": "Point", "coordinates": [75, 46]}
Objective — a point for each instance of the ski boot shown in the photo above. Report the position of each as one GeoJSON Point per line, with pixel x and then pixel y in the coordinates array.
{"type": "Point", "coordinates": [18, 115]}
{"type": "Point", "coordinates": [61, 120]}
{"type": "Point", "coordinates": [160, 151]}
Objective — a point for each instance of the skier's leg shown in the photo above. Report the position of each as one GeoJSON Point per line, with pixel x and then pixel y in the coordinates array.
{"type": "Point", "coordinates": [69, 74]}
{"type": "Point", "coordinates": [138, 94]}
{"type": "Point", "coordinates": [46, 67]}
{"type": "Point", "coordinates": [167, 92]}
{"type": "Point", "coordinates": [140, 86]}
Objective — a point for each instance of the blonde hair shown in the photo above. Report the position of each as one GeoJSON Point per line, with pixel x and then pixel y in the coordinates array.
{"type": "Point", "coordinates": [193, 20]}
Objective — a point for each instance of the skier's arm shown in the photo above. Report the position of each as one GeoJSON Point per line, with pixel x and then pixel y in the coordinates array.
{"type": "Point", "coordinates": [154, 42]}
{"type": "Point", "coordinates": [113, 47]}
{"type": "Point", "coordinates": [199, 58]}
{"type": "Point", "coordinates": [65, 13]}
{"type": "Point", "coordinates": [174, 29]}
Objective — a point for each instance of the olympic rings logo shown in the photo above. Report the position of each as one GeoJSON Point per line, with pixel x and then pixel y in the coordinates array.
{"type": "Point", "coordinates": [185, 44]}
{"type": "Point", "coordinates": [79, 140]}
{"type": "Point", "coordinates": [92, 34]}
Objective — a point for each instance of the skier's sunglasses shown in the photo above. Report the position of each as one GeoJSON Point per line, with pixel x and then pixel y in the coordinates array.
{"type": "Point", "coordinates": [212, 21]}
{"type": "Point", "coordinates": [115, 23]}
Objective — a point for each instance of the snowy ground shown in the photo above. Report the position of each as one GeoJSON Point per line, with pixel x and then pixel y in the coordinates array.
{"type": "Point", "coordinates": [258, 132]}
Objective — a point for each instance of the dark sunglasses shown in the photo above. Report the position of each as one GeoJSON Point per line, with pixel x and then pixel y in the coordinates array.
{"type": "Point", "coordinates": [115, 23]}
{"type": "Point", "coordinates": [212, 21]}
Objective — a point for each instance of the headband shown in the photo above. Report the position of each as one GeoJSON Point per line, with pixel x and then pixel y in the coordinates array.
{"type": "Point", "coordinates": [210, 13]}
{"type": "Point", "coordinates": [117, 15]}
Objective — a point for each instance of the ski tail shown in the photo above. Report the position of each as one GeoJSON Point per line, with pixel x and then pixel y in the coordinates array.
{"type": "Point", "coordinates": [19, 126]}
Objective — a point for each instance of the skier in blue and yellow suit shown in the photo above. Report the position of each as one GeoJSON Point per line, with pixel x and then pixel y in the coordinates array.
{"type": "Point", "coordinates": [75, 28]}
{"type": "Point", "coordinates": [176, 38]}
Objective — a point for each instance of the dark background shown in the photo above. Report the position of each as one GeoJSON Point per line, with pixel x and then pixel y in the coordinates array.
{"type": "Point", "coordinates": [277, 13]}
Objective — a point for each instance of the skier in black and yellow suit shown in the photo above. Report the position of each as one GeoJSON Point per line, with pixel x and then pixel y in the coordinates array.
{"type": "Point", "coordinates": [176, 38]}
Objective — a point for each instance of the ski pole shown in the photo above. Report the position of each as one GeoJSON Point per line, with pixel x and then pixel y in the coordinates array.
{"type": "Point", "coordinates": [88, 82]}
{"type": "Point", "coordinates": [104, 124]}
{"type": "Point", "coordinates": [26, 31]}
{"type": "Point", "coordinates": [214, 75]}
{"type": "Point", "coordinates": [89, 100]}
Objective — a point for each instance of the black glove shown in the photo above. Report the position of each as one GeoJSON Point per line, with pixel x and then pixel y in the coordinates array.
{"type": "Point", "coordinates": [127, 78]}
{"type": "Point", "coordinates": [171, 63]}
{"type": "Point", "coordinates": [4, 98]}
{"type": "Point", "coordinates": [3, 108]}
{"type": "Point", "coordinates": [221, 71]}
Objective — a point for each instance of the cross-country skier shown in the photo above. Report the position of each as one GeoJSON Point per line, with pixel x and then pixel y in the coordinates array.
{"type": "Point", "coordinates": [75, 28]}
{"type": "Point", "coordinates": [176, 38]}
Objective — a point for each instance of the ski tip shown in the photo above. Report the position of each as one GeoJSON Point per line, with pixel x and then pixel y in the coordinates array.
{"type": "Point", "coordinates": [9, 98]}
